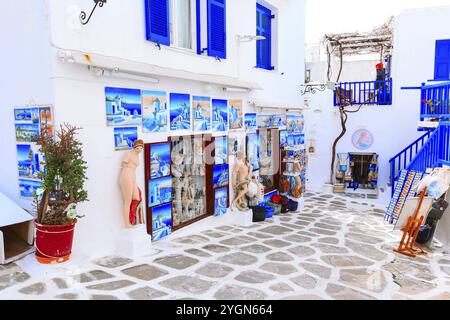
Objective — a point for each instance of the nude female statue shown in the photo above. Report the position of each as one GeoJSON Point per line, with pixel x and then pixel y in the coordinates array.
{"type": "Point", "coordinates": [131, 194]}
{"type": "Point", "coordinates": [241, 178]}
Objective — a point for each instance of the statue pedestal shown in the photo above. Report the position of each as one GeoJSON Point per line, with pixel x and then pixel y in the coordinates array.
{"type": "Point", "coordinates": [242, 218]}
{"type": "Point", "coordinates": [134, 242]}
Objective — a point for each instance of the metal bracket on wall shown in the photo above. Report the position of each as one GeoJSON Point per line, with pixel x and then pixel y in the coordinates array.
{"type": "Point", "coordinates": [83, 14]}
{"type": "Point", "coordinates": [312, 88]}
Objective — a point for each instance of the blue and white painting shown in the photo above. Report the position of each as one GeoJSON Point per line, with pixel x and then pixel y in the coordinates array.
{"type": "Point", "coordinates": [202, 113]}
{"type": "Point", "coordinates": [123, 107]}
{"type": "Point", "coordinates": [27, 132]}
{"type": "Point", "coordinates": [279, 120]}
{"type": "Point", "coordinates": [236, 116]}
{"type": "Point", "coordinates": [296, 139]}
{"type": "Point", "coordinates": [219, 115]}
{"type": "Point", "coordinates": [27, 187]}
{"type": "Point", "coordinates": [160, 160]}
{"type": "Point", "coordinates": [264, 121]}
{"type": "Point", "coordinates": [159, 191]}
{"type": "Point", "coordinates": [250, 122]}
{"type": "Point", "coordinates": [295, 124]}
{"type": "Point", "coordinates": [29, 115]}
{"type": "Point", "coordinates": [180, 111]}
{"type": "Point", "coordinates": [28, 161]}
{"type": "Point", "coordinates": [220, 175]}
{"type": "Point", "coordinates": [283, 138]}
{"type": "Point", "coordinates": [220, 202]}
{"type": "Point", "coordinates": [221, 150]}
{"type": "Point", "coordinates": [161, 221]}
{"type": "Point", "coordinates": [253, 150]}
{"type": "Point", "coordinates": [155, 113]}
{"type": "Point", "coordinates": [125, 137]}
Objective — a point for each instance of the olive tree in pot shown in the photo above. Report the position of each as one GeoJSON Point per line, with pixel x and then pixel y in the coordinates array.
{"type": "Point", "coordinates": [63, 179]}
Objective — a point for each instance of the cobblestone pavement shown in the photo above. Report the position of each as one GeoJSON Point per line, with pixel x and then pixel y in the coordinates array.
{"type": "Point", "coordinates": [337, 248]}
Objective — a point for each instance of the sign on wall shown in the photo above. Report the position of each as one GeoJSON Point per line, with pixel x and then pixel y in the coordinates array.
{"type": "Point", "coordinates": [362, 139]}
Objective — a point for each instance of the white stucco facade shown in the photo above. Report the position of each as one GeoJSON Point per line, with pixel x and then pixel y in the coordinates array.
{"type": "Point", "coordinates": [115, 37]}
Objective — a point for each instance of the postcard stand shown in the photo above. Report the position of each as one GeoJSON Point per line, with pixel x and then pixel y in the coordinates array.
{"type": "Point", "coordinates": [411, 231]}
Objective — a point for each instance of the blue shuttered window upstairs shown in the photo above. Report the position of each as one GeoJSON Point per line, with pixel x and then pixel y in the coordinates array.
{"type": "Point", "coordinates": [442, 60]}
{"type": "Point", "coordinates": [264, 28]}
{"type": "Point", "coordinates": [217, 30]}
{"type": "Point", "coordinates": [157, 21]}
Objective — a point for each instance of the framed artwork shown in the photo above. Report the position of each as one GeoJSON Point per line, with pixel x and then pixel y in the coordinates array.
{"type": "Point", "coordinates": [295, 123]}
{"type": "Point", "coordinates": [283, 138]}
{"type": "Point", "coordinates": [180, 111]}
{"type": "Point", "coordinates": [221, 150]}
{"type": "Point", "coordinates": [202, 113]}
{"type": "Point", "coordinates": [220, 175]}
{"type": "Point", "coordinates": [220, 201]}
{"type": "Point", "coordinates": [235, 114]}
{"type": "Point", "coordinates": [27, 115]}
{"type": "Point", "coordinates": [296, 139]}
{"type": "Point", "coordinates": [250, 122]}
{"type": "Point", "coordinates": [279, 120]}
{"type": "Point", "coordinates": [159, 191]}
{"type": "Point", "coordinates": [155, 114]}
{"type": "Point", "coordinates": [124, 138]}
{"type": "Point", "coordinates": [161, 221]}
{"type": "Point", "coordinates": [26, 132]}
{"type": "Point", "coordinates": [219, 115]}
{"type": "Point", "coordinates": [362, 139]}
{"type": "Point", "coordinates": [29, 162]}
{"type": "Point", "coordinates": [45, 115]}
{"type": "Point", "coordinates": [253, 150]}
{"type": "Point", "coordinates": [264, 121]}
{"type": "Point", "coordinates": [159, 160]}
{"type": "Point", "coordinates": [123, 107]}
{"type": "Point", "coordinates": [28, 187]}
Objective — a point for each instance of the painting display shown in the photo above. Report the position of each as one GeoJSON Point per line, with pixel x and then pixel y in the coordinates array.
{"type": "Point", "coordinates": [27, 188]}
{"type": "Point", "coordinates": [161, 221]}
{"type": "Point", "coordinates": [29, 163]}
{"type": "Point", "coordinates": [283, 138]}
{"type": "Point", "coordinates": [279, 120]}
{"type": "Point", "coordinates": [155, 114]}
{"type": "Point", "coordinates": [253, 150]}
{"type": "Point", "coordinates": [159, 191]}
{"type": "Point", "coordinates": [221, 150]}
{"type": "Point", "coordinates": [235, 114]}
{"type": "Point", "coordinates": [220, 201]}
{"type": "Point", "coordinates": [295, 123]}
{"type": "Point", "coordinates": [250, 122]}
{"type": "Point", "coordinates": [28, 115]}
{"type": "Point", "coordinates": [296, 139]}
{"type": "Point", "coordinates": [124, 138]}
{"type": "Point", "coordinates": [180, 111]}
{"type": "Point", "coordinates": [159, 160]}
{"type": "Point", "coordinates": [362, 139]}
{"type": "Point", "coordinates": [220, 175]}
{"type": "Point", "coordinates": [264, 121]}
{"type": "Point", "coordinates": [123, 107]}
{"type": "Point", "coordinates": [27, 132]}
{"type": "Point", "coordinates": [219, 115]}
{"type": "Point", "coordinates": [202, 113]}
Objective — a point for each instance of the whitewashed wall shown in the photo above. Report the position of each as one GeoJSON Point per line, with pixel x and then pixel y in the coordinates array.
{"type": "Point", "coordinates": [118, 30]}
{"type": "Point", "coordinates": [394, 127]}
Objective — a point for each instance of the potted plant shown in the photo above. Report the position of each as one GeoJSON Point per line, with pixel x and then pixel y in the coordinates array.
{"type": "Point", "coordinates": [63, 179]}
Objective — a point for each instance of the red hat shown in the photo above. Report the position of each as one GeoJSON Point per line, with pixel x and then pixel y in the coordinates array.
{"type": "Point", "coordinates": [379, 66]}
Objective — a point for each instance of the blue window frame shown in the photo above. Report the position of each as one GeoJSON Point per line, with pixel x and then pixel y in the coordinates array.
{"type": "Point", "coordinates": [217, 29]}
{"type": "Point", "coordinates": [264, 28]}
{"type": "Point", "coordinates": [442, 60]}
{"type": "Point", "coordinates": [157, 21]}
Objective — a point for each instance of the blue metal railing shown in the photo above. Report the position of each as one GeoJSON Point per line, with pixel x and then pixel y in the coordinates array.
{"type": "Point", "coordinates": [435, 101]}
{"type": "Point", "coordinates": [435, 152]}
{"type": "Point", "coordinates": [401, 160]}
{"type": "Point", "coordinates": [363, 92]}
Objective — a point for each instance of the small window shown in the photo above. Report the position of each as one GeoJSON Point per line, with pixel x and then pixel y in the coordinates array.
{"type": "Point", "coordinates": [182, 23]}
{"type": "Point", "coordinates": [442, 60]}
{"type": "Point", "coordinates": [264, 28]}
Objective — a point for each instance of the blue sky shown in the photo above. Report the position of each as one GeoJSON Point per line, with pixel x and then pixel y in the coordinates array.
{"type": "Point", "coordinates": [130, 95]}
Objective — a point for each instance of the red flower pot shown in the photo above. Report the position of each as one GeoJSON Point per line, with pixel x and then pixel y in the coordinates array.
{"type": "Point", "coordinates": [54, 243]}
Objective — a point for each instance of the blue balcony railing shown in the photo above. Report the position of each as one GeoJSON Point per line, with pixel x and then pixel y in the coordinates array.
{"type": "Point", "coordinates": [402, 160]}
{"type": "Point", "coordinates": [435, 101]}
{"type": "Point", "coordinates": [363, 92]}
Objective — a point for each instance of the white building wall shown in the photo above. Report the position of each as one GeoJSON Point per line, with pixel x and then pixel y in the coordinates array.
{"type": "Point", "coordinates": [394, 127]}
{"type": "Point", "coordinates": [26, 78]}
{"type": "Point", "coordinates": [117, 33]}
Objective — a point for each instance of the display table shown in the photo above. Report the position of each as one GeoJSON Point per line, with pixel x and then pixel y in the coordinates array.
{"type": "Point", "coordinates": [16, 231]}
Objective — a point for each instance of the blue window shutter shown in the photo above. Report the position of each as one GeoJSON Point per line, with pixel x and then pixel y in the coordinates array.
{"type": "Point", "coordinates": [157, 21]}
{"type": "Point", "coordinates": [217, 28]}
{"type": "Point", "coordinates": [442, 60]}
{"type": "Point", "coordinates": [264, 28]}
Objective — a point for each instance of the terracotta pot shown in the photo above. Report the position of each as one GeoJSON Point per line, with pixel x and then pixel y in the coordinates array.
{"type": "Point", "coordinates": [54, 243]}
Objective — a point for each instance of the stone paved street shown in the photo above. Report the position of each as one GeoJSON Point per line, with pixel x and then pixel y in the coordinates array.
{"type": "Point", "coordinates": [337, 248]}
